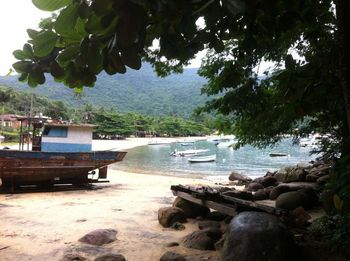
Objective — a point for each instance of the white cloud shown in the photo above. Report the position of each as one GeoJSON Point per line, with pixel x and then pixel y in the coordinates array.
{"type": "Point", "coordinates": [15, 17]}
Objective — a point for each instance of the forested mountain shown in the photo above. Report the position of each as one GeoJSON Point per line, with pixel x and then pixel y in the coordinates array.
{"type": "Point", "coordinates": [138, 91]}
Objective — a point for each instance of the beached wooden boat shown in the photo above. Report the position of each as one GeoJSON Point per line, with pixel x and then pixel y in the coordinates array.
{"type": "Point", "coordinates": [200, 159]}
{"type": "Point", "coordinates": [61, 154]}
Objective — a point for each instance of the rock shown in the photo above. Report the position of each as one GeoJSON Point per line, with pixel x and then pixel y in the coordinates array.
{"type": "Point", "coordinates": [240, 177]}
{"type": "Point", "coordinates": [216, 216]}
{"type": "Point", "coordinates": [204, 239]}
{"type": "Point", "coordinates": [268, 182]}
{"type": "Point", "coordinates": [169, 215]}
{"type": "Point", "coordinates": [171, 244]}
{"type": "Point", "coordinates": [311, 197]}
{"type": "Point", "coordinates": [258, 236]}
{"type": "Point", "coordinates": [293, 186]}
{"type": "Point", "coordinates": [178, 226]}
{"type": "Point", "coordinates": [257, 180]}
{"type": "Point", "coordinates": [276, 191]}
{"type": "Point", "coordinates": [289, 174]}
{"type": "Point", "coordinates": [110, 257]}
{"type": "Point", "coordinates": [270, 174]}
{"type": "Point", "coordinates": [72, 257]}
{"type": "Point", "coordinates": [297, 218]}
{"type": "Point", "coordinates": [239, 194]}
{"type": "Point", "coordinates": [191, 210]}
{"type": "Point", "coordinates": [99, 237]}
{"type": "Point", "coordinates": [304, 165]}
{"type": "Point", "coordinates": [311, 178]}
{"type": "Point", "coordinates": [260, 195]}
{"type": "Point", "coordinates": [171, 256]}
{"type": "Point", "coordinates": [209, 224]}
{"type": "Point", "coordinates": [323, 180]}
{"type": "Point", "coordinates": [254, 186]}
{"type": "Point", "coordinates": [293, 199]}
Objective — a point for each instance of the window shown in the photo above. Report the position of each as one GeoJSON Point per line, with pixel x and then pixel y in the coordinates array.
{"type": "Point", "coordinates": [50, 131]}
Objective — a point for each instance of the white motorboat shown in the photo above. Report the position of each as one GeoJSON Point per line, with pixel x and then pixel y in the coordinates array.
{"type": "Point", "coordinates": [225, 143]}
{"type": "Point", "coordinates": [188, 153]}
{"type": "Point", "coordinates": [200, 159]}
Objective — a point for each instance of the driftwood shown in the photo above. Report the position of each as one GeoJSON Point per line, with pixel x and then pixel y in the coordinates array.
{"type": "Point", "coordinates": [214, 199]}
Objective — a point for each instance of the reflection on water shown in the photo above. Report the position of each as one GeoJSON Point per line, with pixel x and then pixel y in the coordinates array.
{"type": "Point", "coordinates": [249, 160]}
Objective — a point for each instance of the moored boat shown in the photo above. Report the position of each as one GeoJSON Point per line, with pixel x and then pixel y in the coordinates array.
{"type": "Point", "coordinates": [187, 153]}
{"type": "Point", "coordinates": [201, 159]}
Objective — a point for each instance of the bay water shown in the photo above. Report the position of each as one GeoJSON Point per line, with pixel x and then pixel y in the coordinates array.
{"type": "Point", "coordinates": [251, 161]}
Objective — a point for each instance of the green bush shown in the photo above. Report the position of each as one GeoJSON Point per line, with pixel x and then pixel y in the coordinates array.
{"type": "Point", "coordinates": [334, 232]}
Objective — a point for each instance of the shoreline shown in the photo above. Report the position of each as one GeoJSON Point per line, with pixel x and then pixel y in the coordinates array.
{"type": "Point", "coordinates": [47, 225]}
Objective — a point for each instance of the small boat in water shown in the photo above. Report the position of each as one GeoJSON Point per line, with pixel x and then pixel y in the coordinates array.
{"type": "Point", "coordinates": [202, 159]}
{"type": "Point", "coordinates": [187, 153]}
{"type": "Point", "coordinates": [278, 154]}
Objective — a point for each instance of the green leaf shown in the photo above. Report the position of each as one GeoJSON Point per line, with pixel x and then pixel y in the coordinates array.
{"type": "Point", "coordinates": [22, 66]}
{"type": "Point", "coordinates": [19, 55]}
{"type": "Point", "coordinates": [67, 19]}
{"type": "Point", "coordinates": [44, 43]}
{"type": "Point", "coordinates": [32, 33]}
{"type": "Point", "coordinates": [67, 55]}
{"type": "Point", "coordinates": [50, 5]}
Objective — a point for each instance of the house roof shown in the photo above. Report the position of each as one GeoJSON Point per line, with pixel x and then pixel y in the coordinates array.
{"type": "Point", "coordinates": [71, 125]}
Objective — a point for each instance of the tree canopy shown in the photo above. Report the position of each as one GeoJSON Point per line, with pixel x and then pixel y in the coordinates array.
{"type": "Point", "coordinates": [306, 41]}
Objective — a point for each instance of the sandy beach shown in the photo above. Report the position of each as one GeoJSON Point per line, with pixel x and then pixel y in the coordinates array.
{"type": "Point", "coordinates": [47, 225]}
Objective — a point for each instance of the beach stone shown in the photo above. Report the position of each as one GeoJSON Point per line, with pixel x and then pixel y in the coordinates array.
{"type": "Point", "coordinates": [276, 191]}
{"type": "Point", "coordinates": [311, 178]}
{"type": "Point", "coordinates": [190, 209]}
{"type": "Point", "coordinates": [169, 215]}
{"type": "Point", "coordinates": [171, 244]}
{"type": "Point", "coordinates": [323, 180]}
{"type": "Point", "coordinates": [254, 186]}
{"type": "Point", "coordinates": [293, 186]}
{"type": "Point", "coordinates": [204, 224]}
{"type": "Point", "coordinates": [216, 216]}
{"type": "Point", "coordinates": [293, 199]}
{"type": "Point", "coordinates": [204, 239]}
{"type": "Point", "coordinates": [260, 195]}
{"type": "Point", "coordinates": [290, 174]}
{"type": "Point", "coordinates": [268, 182]}
{"type": "Point", "coordinates": [258, 236]}
{"type": "Point", "coordinates": [239, 177]}
{"type": "Point", "coordinates": [239, 194]}
{"type": "Point", "coordinates": [171, 256]}
{"type": "Point", "coordinates": [99, 237]}
{"type": "Point", "coordinates": [110, 257]}
{"type": "Point", "coordinates": [178, 226]}
{"type": "Point", "coordinates": [72, 257]}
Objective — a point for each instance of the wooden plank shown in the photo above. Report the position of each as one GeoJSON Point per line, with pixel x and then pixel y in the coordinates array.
{"type": "Point", "coordinates": [218, 198]}
{"type": "Point", "coordinates": [223, 208]}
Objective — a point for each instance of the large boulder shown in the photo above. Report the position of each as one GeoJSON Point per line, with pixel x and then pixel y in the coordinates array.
{"type": "Point", "coordinates": [276, 191]}
{"type": "Point", "coordinates": [293, 199]}
{"type": "Point", "coordinates": [99, 237]}
{"type": "Point", "coordinates": [203, 239]}
{"type": "Point", "coordinates": [167, 216]}
{"type": "Point", "coordinates": [268, 181]}
{"type": "Point", "coordinates": [171, 256]}
{"type": "Point", "coordinates": [259, 236]}
{"type": "Point", "coordinates": [241, 194]}
{"type": "Point", "coordinates": [254, 186]}
{"type": "Point", "coordinates": [290, 174]}
{"type": "Point", "coordinates": [241, 178]}
{"type": "Point", "coordinates": [190, 209]}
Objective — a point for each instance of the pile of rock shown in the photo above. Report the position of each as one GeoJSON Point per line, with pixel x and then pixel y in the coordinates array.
{"type": "Point", "coordinates": [291, 187]}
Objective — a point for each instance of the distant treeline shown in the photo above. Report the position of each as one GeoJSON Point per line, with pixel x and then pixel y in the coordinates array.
{"type": "Point", "coordinates": [110, 123]}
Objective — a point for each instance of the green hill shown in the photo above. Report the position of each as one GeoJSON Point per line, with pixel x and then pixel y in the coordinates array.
{"type": "Point", "coordinates": [139, 91]}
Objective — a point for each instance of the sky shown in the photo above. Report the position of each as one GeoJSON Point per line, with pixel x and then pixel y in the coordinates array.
{"type": "Point", "coordinates": [16, 16]}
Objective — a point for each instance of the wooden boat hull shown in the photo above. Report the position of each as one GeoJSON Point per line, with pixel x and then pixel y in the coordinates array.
{"type": "Point", "coordinates": [40, 168]}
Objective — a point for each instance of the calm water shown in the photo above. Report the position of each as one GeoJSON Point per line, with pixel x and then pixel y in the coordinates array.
{"type": "Point", "coordinates": [254, 162]}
